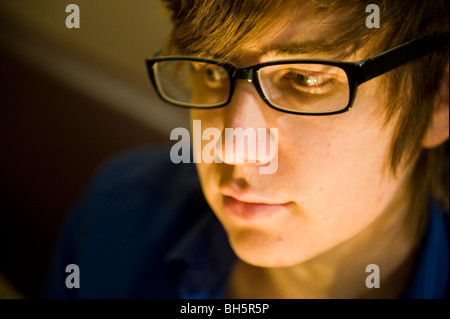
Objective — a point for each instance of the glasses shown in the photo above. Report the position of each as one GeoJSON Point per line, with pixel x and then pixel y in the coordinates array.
{"type": "Point", "coordinates": [307, 87]}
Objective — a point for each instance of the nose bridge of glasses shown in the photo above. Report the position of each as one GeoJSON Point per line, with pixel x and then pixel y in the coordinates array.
{"type": "Point", "coordinates": [244, 74]}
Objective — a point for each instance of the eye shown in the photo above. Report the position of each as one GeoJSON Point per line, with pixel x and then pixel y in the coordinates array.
{"type": "Point", "coordinates": [306, 80]}
{"type": "Point", "coordinates": [215, 73]}
{"type": "Point", "coordinates": [209, 76]}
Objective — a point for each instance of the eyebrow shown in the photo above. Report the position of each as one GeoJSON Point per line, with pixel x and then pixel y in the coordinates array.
{"type": "Point", "coordinates": [320, 46]}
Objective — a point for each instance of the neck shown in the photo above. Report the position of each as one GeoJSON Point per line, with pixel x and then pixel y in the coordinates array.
{"type": "Point", "coordinates": [341, 271]}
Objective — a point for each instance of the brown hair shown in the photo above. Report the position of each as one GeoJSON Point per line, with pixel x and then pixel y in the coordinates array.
{"type": "Point", "coordinates": [219, 28]}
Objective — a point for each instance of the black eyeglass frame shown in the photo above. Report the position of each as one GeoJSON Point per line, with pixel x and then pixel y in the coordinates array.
{"type": "Point", "coordinates": [357, 72]}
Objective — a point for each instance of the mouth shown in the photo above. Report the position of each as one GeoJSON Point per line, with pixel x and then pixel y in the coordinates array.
{"type": "Point", "coordinates": [247, 206]}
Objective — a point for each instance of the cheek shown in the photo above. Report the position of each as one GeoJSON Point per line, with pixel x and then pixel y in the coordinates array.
{"type": "Point", "coordinates": [209, 118]}
{"type": "Point", "coordinates": [334, 161]}
{"type": "Point", "coordinates": [333, 169]}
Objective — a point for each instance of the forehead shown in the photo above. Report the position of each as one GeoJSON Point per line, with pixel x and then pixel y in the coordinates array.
{"type": "Point", "coordinates": [290, 22]}
{"type": "Point", "coordinates": [303, 33]}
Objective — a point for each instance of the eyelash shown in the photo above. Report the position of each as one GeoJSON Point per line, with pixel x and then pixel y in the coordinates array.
{"type": "Point", "coordinates": [318, 88]}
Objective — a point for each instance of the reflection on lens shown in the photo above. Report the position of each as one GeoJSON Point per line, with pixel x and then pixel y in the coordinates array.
{"type": "Point", "coordinates": [192, 83]}
{"type": "Point", "coordinates": [310, 88]}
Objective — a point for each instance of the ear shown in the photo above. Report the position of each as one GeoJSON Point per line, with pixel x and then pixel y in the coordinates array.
{"type": "Point", "coordinates": [438, 128]}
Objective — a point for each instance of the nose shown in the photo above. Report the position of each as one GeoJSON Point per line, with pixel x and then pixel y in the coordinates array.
{"type": "Point", "coordinates": [246, 137]}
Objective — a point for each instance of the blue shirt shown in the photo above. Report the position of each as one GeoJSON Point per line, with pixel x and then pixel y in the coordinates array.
{"type": "Point", "coordinates": [144, 230]}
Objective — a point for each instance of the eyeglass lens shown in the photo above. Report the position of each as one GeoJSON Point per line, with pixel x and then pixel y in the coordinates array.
{"type": "Point", "coordinates": [301, 87]}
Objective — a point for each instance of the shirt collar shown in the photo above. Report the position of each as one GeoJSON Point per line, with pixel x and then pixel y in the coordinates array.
{"type": "Point", "coordinates": [201, 260]}
{"type": "Point", "coordinates": [430, 279]}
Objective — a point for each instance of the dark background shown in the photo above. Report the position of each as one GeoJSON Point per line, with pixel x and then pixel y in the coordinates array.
{"type": "Point", "coordinates": [53, 134]}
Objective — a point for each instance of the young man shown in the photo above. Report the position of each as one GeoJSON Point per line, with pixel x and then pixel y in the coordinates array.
{"type": "Point", "coordinates": [354, 199]}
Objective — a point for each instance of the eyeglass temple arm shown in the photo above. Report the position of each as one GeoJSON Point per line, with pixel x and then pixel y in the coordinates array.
{"type": "Point", "coordinates": [400, 55]}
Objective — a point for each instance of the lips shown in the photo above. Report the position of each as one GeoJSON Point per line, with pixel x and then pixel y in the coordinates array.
{"type": "Point", "coordinates": [250, 198]}
{"type": "Point", "coordinates": [250, 206]}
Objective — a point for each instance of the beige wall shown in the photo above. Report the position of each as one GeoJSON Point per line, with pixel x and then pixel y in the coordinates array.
{"type": "Point", "coordinates": [104, 57]}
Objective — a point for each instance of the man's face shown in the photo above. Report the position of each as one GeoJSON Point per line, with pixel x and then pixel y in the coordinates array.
{"type": "Point", "coordinates": [333, 177]}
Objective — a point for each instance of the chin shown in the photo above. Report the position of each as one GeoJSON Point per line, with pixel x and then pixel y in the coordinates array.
{"type": "Point", "coordinates": [261, 250]}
